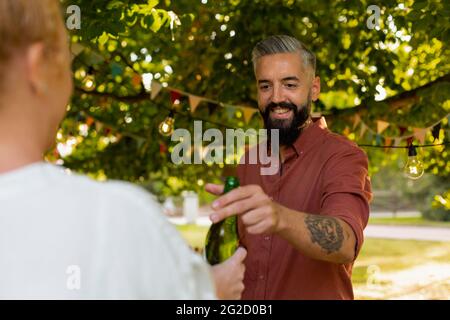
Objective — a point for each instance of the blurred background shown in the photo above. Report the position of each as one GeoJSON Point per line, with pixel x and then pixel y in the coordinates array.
{"type": "Point", "coordinates": [144, 68]}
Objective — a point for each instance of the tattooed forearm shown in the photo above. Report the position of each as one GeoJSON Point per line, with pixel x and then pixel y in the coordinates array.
{"type": "Point", "coordinates": [326, 232]}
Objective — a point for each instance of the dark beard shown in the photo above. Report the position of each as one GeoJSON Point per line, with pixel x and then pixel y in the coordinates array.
{"type": "Point", "coordinates": [288, 131]}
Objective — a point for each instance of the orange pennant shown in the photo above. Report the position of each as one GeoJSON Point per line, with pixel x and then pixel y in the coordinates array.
{"type": "Point", "coordinates": [194, 101]}
{"type": "Point", "coordinates": [363, 130]}
{"type": "Point", "coordinates": [420, 133]}
{"type": "Point", "coordinates": [381, 126]}
{"type": "Point", "coordinates": [156, 88]}
{"type": "Point", "coordinates": [356, 121]}
{"type": "Point", "coordinates": [248, 113]}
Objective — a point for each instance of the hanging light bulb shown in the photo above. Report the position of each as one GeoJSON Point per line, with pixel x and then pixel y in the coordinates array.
{"type": "Point", "coordinates": [89, 80]}
{"type": "Point", "coordinates": [166, 127]}
{"type": "Point", "coordinates": [414, 167]}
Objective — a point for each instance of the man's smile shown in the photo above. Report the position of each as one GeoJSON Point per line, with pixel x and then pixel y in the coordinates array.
{"type": "Point", "coordinates": [281, 113]}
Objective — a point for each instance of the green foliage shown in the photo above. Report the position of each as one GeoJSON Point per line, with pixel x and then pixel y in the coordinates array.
{"type": "Point", "coordinates": [205, 49]}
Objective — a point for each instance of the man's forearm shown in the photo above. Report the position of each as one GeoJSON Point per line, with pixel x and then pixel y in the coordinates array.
{"type": "Point", "coordinates": [319, 237]}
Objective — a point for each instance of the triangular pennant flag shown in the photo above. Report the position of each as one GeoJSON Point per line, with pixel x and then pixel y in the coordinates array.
{"type": "Point", "coordinates": [356, 121]}
{"type": "Point", "coordinates": [90, 121]}
{"type": "Point", "coordinates": [140, 142]}
{"type": "Point", "coordinates": [435, 131]}
{"type": "Point", "coordinates": [378, 140]}
{"type": "Point", "coordinates": [420, 133]}
{"type": "Point", "coordinates": [230, 111]}
{"type": "Point", "coordinates": [76, 49]}
{"type": "Point", "coordinates": [116, 69]}
{"type": "Point", "coordinates": [136, 80]}
{"type": "Point", "coordinates": [156, 88]}
{"type": "Point", "coordinates": [346, 131]}
{"type": "Point", "coordinates": [248, 113]}
{"type": "Point", "coordinates": [212, 107]}
{"type": "Point", "coordinates": [363, 130]}
{"type": "Point", "coordinates": [98, 126]}
{"type": "Point", "coordinates": [397, 142]}
{"type": "Point", "coordinates": [381, 126]}
{"type": "Point", "coordinates": [175, 97]}
{"type": "Point", "coordinates": [387, 142]}
{"type": "Point", "coordinates": [409, 141]}
{"type": "Point", "coordinates": [194, 101]}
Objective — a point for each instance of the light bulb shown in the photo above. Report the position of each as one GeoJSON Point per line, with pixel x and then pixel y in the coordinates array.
{"type": "Point", "coordinates": [166, 127]}
{"type": "Point", "coordinates": [89, 82]}
{"type": "Point", "coordinates": [414, 167]}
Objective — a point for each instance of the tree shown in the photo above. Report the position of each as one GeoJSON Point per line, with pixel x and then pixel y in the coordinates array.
{"type": "Point", "coordinates": [398, 73]}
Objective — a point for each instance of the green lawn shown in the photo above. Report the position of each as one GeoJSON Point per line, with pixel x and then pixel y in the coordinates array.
{"type": "Point", "coordinates": [193, 234]}
{"type": "Point", "coordinates": [388, 255]}
{"type": "Point", "coordinates": [410, 221]}
{"type": "Point", "coordinates": [395, 255]}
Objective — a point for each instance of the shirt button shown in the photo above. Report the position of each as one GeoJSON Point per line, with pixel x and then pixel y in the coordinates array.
{"type": "Point", "coordinates": [267, 238]}
{"type": "Point", "coordinates": [261, 277]}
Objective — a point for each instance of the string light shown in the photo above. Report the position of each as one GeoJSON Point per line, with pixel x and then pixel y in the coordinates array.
{"type": "Point", "coordinates": [89, 81]}
{"type": "Point", "coordinates": [414, 167]}
{"type": "Point", "coordinates": [166, 127]}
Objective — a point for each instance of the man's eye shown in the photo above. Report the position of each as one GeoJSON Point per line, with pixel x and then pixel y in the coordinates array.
{"type": "Point", "coordinates": [264, 87]}
{"type": "Point", "coordinates": [291, 85]}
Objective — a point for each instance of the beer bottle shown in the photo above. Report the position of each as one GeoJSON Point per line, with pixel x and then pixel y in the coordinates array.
{"type": "Point", "coordinates": [222, 239]}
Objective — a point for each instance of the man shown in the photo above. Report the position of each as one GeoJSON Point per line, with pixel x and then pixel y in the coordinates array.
{"type": "Point", "coordinates": [302, 227]}
{"type": "Point", "coordinates": [65, 236]}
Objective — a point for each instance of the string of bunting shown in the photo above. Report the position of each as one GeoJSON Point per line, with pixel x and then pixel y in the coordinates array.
{"type": "Point", "coordinates": [248, 112]}
{"type": "Point", "coordinates": [195, 100]}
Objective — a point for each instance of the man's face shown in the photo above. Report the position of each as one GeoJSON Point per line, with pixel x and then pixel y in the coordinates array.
{"type": "Point", "coordinates": [285, 91]}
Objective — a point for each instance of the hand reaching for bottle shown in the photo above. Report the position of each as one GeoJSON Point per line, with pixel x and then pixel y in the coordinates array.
{"type": "Point", "coordinates": [229, 276]}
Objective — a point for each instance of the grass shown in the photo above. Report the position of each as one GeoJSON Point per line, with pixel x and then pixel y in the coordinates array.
{"type": "Point", "coordinates": [409, 221]}
{"type": "Point", "coordinates": [395, 255]}
{"type": "Point", "coordinates": [389, 255]}
{"type": "Point", "coordinates": [193, 234]}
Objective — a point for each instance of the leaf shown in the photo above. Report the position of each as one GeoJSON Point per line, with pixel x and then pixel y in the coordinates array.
{"type": "Point", "coordinates": [152, 4]}
{"type": "Point", "coordinates": [113, 4]}
{"type": "Point", "coordinates": [420, 4]}
{"type": "Point", "coordinates": [103, 39]}
{"type": "Point", "coordinates": [157, 21]}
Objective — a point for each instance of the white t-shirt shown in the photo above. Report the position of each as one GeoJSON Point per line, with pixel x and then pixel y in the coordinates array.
{"type": "Point", "coordinates": [65, 236]}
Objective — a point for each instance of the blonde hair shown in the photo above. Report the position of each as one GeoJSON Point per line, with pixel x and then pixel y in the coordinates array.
{"type": "Point", "coordinates": [24, 22]}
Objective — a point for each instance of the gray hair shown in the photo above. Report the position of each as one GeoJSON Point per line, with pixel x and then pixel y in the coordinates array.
{"type": "Point", "coordinates": [283, 44]}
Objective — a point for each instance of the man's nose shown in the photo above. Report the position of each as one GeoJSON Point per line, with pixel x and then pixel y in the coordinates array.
{"type": "Point", "coordinates": [277, 95]}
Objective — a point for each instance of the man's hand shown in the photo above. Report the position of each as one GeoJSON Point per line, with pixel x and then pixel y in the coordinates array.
{"type": "Point", "coordinates": [319, 237]}
{"type": "Point", "coordinates": [260, 214]}
{"type": "Point", "coordinates": [229, 276]}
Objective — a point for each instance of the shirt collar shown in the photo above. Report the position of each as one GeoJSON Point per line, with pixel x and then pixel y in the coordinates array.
{"type": "Point", "coordinates": [308, 138]}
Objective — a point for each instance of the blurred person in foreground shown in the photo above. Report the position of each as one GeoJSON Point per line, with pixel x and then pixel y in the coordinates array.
{"type": "Point", "coordinates": [66, 236]}
{"type": "Point", "coordinates": [302, 226]}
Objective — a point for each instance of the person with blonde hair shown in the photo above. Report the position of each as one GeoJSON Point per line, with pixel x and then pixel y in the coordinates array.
{"type": "Point", "coordinates": [66, 236]}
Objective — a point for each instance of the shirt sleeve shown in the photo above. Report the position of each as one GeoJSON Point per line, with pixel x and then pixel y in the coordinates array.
{"type": "Point", "coordinates": [347, 190]}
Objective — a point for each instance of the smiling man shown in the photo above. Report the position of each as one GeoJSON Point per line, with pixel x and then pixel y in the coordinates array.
{"type": "Point", "coordinates": [303, 227]}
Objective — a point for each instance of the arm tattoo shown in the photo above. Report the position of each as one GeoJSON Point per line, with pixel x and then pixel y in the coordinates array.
{"type": "Point", "coordinates": [326, 232]}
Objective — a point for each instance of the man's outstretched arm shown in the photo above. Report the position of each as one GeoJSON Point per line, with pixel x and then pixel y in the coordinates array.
{"type": "Point", "coordinates": [319, 237]}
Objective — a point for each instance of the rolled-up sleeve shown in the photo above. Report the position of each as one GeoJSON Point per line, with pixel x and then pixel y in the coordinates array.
{"type": "Point", "coordinates": [347, 190]}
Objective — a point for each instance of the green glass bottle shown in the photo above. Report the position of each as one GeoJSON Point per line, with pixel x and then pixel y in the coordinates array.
{"type": "Point", "coordinates": [222, 239]}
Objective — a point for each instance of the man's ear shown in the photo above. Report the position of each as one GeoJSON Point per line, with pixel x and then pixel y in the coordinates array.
{"type": "Point", "coordinates": [35, 67]}
{"type": "Point", "coordinates": [315, 89]}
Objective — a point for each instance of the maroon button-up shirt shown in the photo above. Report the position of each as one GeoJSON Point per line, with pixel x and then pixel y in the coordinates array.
{"type": "Point", "coordinates": [322, 173]}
